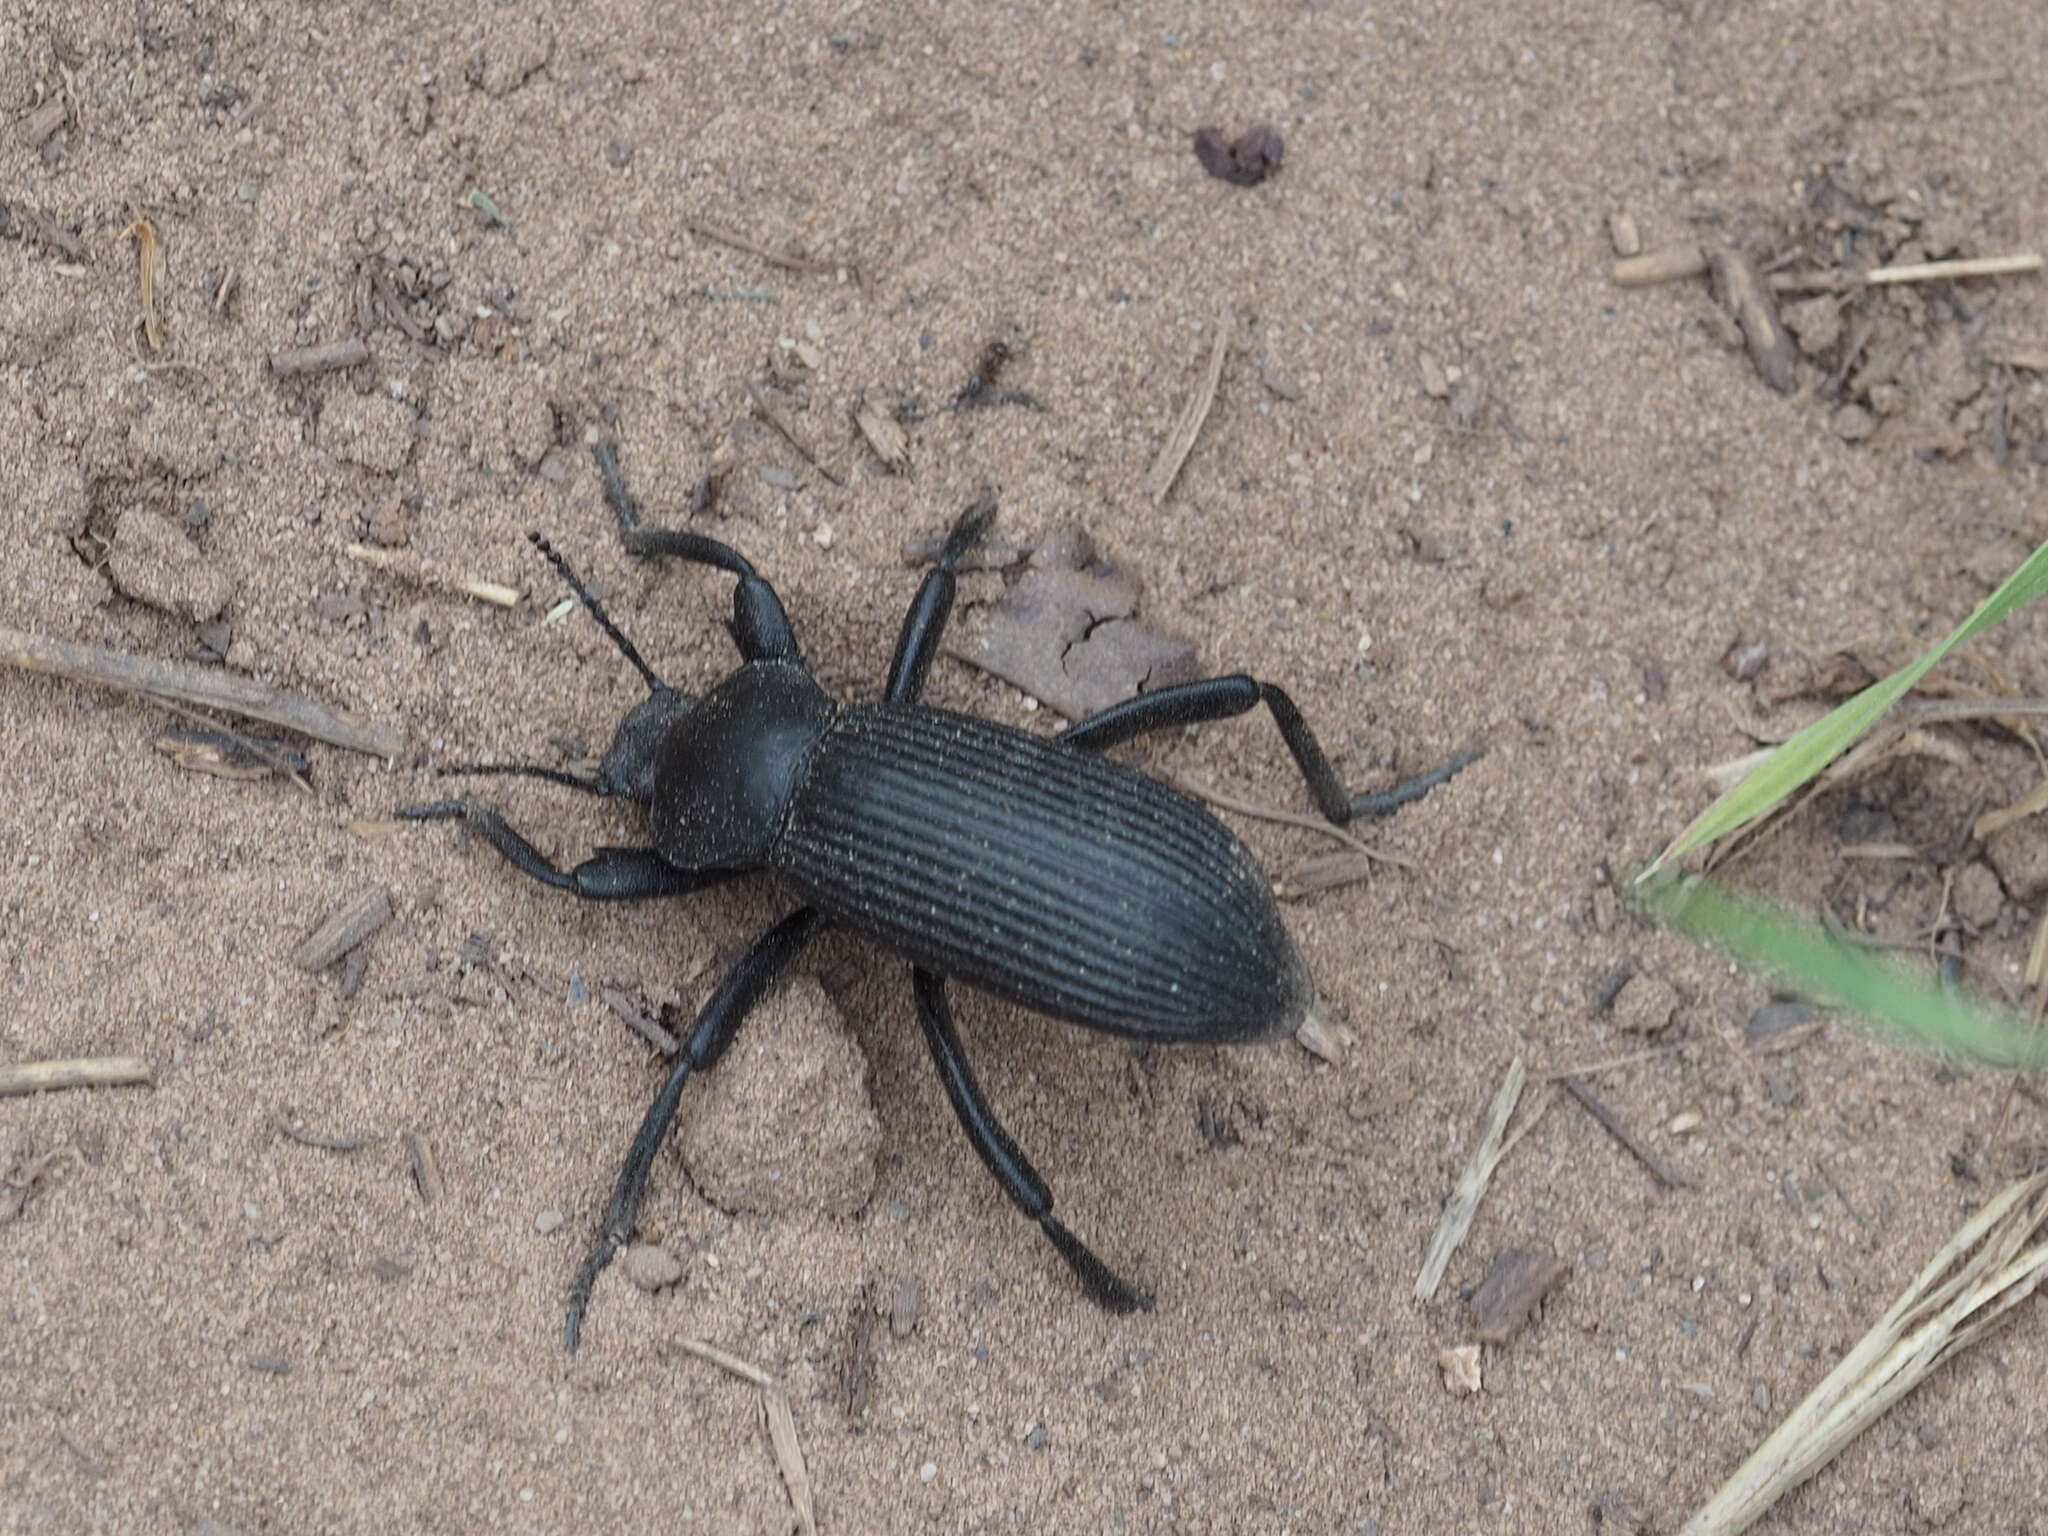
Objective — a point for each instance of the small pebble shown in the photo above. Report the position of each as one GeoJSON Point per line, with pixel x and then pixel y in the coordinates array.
{"type": "Point", "coordinates": [1684, 1121]}
{"type": "Point", "coordinates": [547, 1223]}
{"type": "Point", "coordinates": [928, 1471]}
{"type": "Point", "coordinates": [651, 1266]}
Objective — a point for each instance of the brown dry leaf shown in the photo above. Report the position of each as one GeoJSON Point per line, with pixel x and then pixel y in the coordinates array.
{"type": "Point", "coordinates": [1068, 635]}
{"type": "Point", "coordinates": [885, 435]}
{"type": "Point", "coordinates": [1513, 1289]}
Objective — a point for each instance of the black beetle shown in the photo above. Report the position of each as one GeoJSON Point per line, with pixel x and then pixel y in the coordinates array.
{"type": "Point", "coordinates": [1027, 866]}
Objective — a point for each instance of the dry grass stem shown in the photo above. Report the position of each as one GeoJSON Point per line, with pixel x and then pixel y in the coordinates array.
{"type": "Point", "coordinates": [1166, 468]}
{"type": "Point", "coordinates": [789, 1457]}
{"type": "Point", "coordinates": [1470, 1189]}
{"type": "Point", "coordinates": [729, 1363]}
{"type": "Point", "coordinates": [75, 1072]}
{"type": "Point", "coordinates": [1979, 1276]}
{"type": "Point", "coordinates": [782, 1438]}
{"type": "Point", "coordinates": [1943, 271]}
{"type": "Point", "coordinates": [425, 573]}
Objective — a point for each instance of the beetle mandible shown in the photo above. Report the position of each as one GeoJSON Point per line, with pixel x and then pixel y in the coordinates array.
{"type": "Point", "coordinates": [1026, 866]}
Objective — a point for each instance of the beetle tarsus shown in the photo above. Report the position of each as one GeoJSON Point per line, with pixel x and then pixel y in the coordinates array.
{"type": "Point", "coordinates": [1108, 1289]}
{"type": "Point", "coordinates": [1387, 801]}
{"type": "Point", "coordinates": [601, 1254]}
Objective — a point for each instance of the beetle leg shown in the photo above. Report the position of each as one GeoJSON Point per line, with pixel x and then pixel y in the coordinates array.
{"type": "Point", "coordinates": [610, 874]}
{"type": "Point", "coordinates": [1011, 1167]}
{"type": "Point", "coordinates": [1220, 698]}
{"type": "Point", "coordinates": [760, 627]}
{"type": "Point", "coordinates": [717, 1023]}
{"type": "Point", "coordinates": [918, 641]}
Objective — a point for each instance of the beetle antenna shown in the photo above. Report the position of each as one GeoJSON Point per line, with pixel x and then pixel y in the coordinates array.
{"type": "Point", "coordinates": [527, 770]}
{"type": "Point", "coordinates": [604, 620]}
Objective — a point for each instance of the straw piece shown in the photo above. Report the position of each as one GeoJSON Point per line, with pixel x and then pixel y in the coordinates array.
{"type": "Point", "coordinates": [1463, 1204]}
{"type": "Point", "coordinates": [1166, 468]}
{"type": "Point", "coordinates": [1979, 1275]}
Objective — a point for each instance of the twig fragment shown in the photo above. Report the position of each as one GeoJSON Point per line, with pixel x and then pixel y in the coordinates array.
{"type": "Point", "coordinates": [1166, 468]}
{"type": "Point", "coordinates": [202, 686]}
{"type": "Point", "coordinates": [788, 433]}
{"type": "Point", "coordinates": [1470, 1189]}
{"type": "Point", "coordinates": [1741, 290]}
{"type": "Point", "coordinates": [75, 1072]}
{"type": "Point", "coordinates": [1944, 271]}
{"type": "Point", "coordinates": [1611, 1124]}
{"type": "Point", "coordinates": [1668, 264]}
{"type": "Point", "coordinates": [323, 357]}
{"type": "Point", "coordinates": [292, 1131]}
{"type": "Point", "coordinates": [732, 238]}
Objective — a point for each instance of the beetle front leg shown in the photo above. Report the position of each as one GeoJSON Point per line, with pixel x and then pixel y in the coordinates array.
{"type": "Point", "coordinates": [1011, 1167]}
{"type": "Point", "coordinates": [717, 1023]}
{"type": "Point", "coordinates": [610, 874]}
{"type": "Point", "coordinates": [1221, 698]}
{"type": "Point", "coordinates": [918, 641]}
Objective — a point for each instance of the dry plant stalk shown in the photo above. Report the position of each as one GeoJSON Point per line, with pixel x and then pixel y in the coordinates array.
{"type": "Point", "coordinates": [76, 1072]}
{"type": "Point", "coordinates": [1980, 1275]}
{"type": "Point", "coordinates": [1166, 468]}
{"type": "Point", "coordinates": [151, 269]}
{"type": "Point", "coordinates": [789, 1453]}
{"type": "Point", "coordinates": [1463, 1204]}
{"type": "Point", "coordinates": [425, 573]}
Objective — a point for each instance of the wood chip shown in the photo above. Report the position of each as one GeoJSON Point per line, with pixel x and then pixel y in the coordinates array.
{"type": "Point", "coordinates": [1166, 468]}
{"type": "Point", "coordinates": [344, 930]}
{"type": "Point", "coordinates": [1740, 289]}
{"type": "Point", "coordinates": [75, 1072]}
{"type": "Point", "coordinates": [1623, 235]}
{"type": "Point", "coordinates": [1513, 1289]}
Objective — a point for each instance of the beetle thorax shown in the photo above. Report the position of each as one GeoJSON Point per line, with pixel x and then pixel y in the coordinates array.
{"type": "Point", "coordinates": [724, 773]}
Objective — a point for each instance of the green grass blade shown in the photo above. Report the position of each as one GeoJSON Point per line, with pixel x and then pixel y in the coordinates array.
{"type": "Point", "coordinates": [1806, 754]}
{"type": "Point", "coordinates": [1903, 1007]}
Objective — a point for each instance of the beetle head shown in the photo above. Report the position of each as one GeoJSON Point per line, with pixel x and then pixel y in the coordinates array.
{"type": "Point", "coordinates": [627, 768]}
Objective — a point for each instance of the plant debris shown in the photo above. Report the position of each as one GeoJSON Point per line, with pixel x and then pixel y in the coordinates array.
{"type": "Point", "coordinates": [1067, 633]}
{"type": "Point", "coordinates": [1244, 161]}
{"type": "Point", "coordinates": [1508, 1298]}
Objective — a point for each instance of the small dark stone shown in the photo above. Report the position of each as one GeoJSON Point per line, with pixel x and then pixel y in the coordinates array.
{"type": "Point", "coordinates": [1244, 161]}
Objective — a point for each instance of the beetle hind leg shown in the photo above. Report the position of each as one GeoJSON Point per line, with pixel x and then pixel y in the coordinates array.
{"type": "Point", "coordinates": [1010, 1166]}
{"type": "Point", "coordinates": [1222, 698]}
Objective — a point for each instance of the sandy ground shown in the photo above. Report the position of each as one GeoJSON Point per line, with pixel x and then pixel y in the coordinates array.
{"type": "Point", "coordinates": [1456, 488]}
